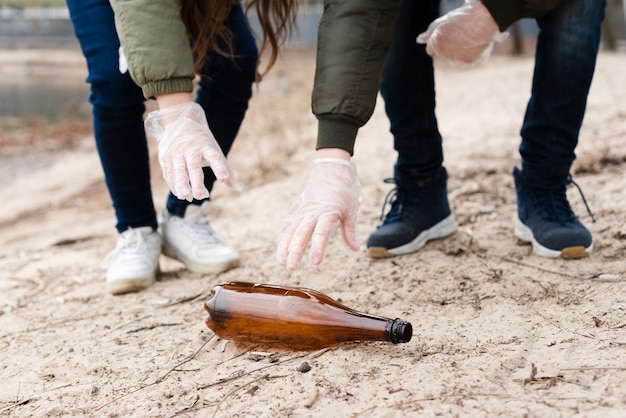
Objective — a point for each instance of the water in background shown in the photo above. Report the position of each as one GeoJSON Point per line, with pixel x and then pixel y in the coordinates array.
{"type": "Point", "coordinates": [37, 76]}
{"type": "Point", "coordinates": [48, 98]}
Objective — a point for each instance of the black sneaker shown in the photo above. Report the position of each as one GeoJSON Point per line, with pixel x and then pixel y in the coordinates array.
{"type": "Point", "coordinates": [419, 213]}
{"type": "Point", "coordinates": [545, 217]}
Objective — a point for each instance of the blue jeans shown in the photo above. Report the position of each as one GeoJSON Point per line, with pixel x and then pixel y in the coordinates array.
{"type": "Point", "coordinates": [564, 65]}
{"type": "Point", "coordinates": [118, 108]}
{"type": "Point", "coordinates": [408, 89]}
{"type": "Point", "coordinates": [565, 60]}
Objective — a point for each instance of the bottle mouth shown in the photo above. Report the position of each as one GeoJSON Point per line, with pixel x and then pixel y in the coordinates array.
{"type": "Point", "coordinates": [399, 331]}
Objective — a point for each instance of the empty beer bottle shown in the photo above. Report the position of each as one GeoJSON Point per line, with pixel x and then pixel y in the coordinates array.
{"type": "Point", "coordinates": [293, 318]}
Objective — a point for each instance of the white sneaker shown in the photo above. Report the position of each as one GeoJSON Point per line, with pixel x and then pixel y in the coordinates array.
{"type": "Point", "coordinates": [134, 263]}
{"type": "Point", "coordinates": [194, 242]}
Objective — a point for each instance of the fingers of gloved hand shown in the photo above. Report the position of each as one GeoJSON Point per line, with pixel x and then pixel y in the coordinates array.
{"type": "Point", "coordinates": [196, 177]}
{"type": "Point", "coordinates": [214, 157]}
{"type": "Point", "coordinates": [447, 49]}
{"type": "Point", "coordinates": [349, 235]}
{"type": "Point", "coordinates": [184, 137]}
{"type": "Point", "coordinates": [326, 224]}
{"type": "Point", "coordinates": [463, 36]}
{"type": "Point", "coordinates": [341, 191]}
{"type": "Point", "coordinates": [180, 180]}
{"type": "Point", "coordinates": [298, 242]}
{"type": "Point", "coordinates": [172, 176]}
{"type": "Point", "coordinates": [330, 197]}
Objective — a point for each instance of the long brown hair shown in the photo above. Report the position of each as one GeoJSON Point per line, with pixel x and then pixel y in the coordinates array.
{"type": "Point", "coordinates": [205, 21]}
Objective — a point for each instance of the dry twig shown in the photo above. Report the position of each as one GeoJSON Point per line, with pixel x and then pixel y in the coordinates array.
{"type": "Point", "coordinates": [149, 327]}
{"type": "Point", "coordinates": [596, 277]}
{"type": "Point", "coordinates": [160, 379]}
{"type": "Point", "coordinates": [230, 379]}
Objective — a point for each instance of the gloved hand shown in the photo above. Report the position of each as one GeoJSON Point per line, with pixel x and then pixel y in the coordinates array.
{"type": "Point", "coordinates": [186, 144]}
{"type": "Point", "coordinates": [465, 35]}
{"type": "Point", "coordinates": [330, 199]}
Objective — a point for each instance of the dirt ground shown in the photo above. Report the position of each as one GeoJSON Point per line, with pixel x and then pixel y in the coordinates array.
{"type": "Point", "coordinates": [497, 330]}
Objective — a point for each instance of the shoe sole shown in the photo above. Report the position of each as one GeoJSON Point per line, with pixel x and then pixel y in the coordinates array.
{"type": "Point", "coordinates": [441, 229]}
{"type": "Point", "coordinates": [525, 234]}
{"type": "Point", "coordinates": [213, 268]}
{"type": "Point", "coordinates": [135, 284]}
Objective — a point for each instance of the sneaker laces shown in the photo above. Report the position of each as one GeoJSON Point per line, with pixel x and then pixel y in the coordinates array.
{"type": "Point", "coordinates": [132, 241]}
{"type": "Point", "coordinates": [556, 200]}
{"type": "Point", "coordinates": [396, 198]}
{"type": "Point", "coordinates": [571, 180]}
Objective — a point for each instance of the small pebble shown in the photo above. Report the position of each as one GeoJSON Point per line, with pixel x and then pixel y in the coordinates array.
{"type": "Point", "coordinates": [161, 302]}
{"type": "Point", "coordinates": [605, 277]}
{"type": "Point", "coordinates": [304, 367]}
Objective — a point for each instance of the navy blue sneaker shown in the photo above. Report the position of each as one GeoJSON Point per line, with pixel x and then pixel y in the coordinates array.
{"type": "Point", "coordinates": [419, 213]}
{"type": "Point", "coordinates": [545, 217]}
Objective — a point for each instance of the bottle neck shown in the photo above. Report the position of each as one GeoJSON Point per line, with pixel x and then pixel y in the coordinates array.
{"type": "Point", "coordinates": [398, 331]}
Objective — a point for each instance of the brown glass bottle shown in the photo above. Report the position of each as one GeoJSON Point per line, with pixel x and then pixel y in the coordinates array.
{"type": "Point", "coordinates": [294, 318]}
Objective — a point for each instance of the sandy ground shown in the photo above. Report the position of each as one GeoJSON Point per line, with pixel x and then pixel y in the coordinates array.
{"type": "Point", "coordinates": [497, 330]}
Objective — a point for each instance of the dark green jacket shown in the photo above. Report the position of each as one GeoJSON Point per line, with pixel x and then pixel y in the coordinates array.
{"type": "Point", "coordinates": [155, 45]}
{"type": "Point", "coordinates": [353, 40]}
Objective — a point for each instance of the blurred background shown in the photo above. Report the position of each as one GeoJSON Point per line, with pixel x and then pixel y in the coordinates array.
{"type": "Point", "coordinates": [42, 72]}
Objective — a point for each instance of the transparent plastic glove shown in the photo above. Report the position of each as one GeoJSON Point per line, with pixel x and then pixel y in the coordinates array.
{"type": "Point", "coordinates": [330, 200]}
{"type": "Point", "coordinates": [186, 144]}
{"type": "Point", "coordinates": [463, 36]}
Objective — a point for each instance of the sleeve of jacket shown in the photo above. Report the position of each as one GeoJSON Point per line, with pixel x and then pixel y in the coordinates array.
{"type": "Point", "coordinates": [507, 12]}
{"type": "Point", "coordinates": [155, 44]}
{"type": "Point", "coordinates": [353, 42]}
